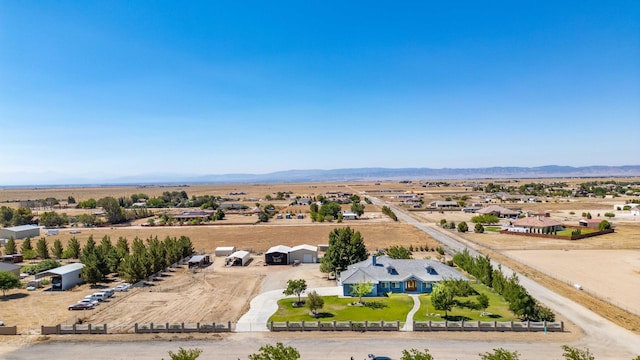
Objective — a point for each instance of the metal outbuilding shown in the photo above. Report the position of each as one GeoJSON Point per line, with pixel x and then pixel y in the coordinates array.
{"type": "Point", "coordinates": [20, 232]}
{"type": "Point", "coordinates": [307, 254]}
{"type": "Point", "coordinates": [238, 258]}
{"type": "Point", "coordinates": [64, 277]}
{"type": "Point", "coordinates": [225, 250]}
{"type": "Point", "coordinates": [277, 255]}
{"type": "Point", "coordinates": [199, 261]}
{"type": "Point", "coordinates": [15, 269]}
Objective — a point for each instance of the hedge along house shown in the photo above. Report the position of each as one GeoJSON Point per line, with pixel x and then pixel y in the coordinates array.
{"type": "Point", "coordinates": [410, 276]}
{"type": "Point", "coordinates": [307, 254]}
{"type": "Point", "coordinates": [277, 255]}
{"type": "Point", "coordinates": [64, 277]}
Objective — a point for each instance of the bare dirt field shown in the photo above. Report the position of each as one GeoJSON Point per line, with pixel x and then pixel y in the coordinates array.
{"type": "Point", "coordinates": [613, 275]}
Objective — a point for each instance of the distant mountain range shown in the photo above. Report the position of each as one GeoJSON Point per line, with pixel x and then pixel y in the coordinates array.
{"type": "Point", "coordinates": [356, 174]}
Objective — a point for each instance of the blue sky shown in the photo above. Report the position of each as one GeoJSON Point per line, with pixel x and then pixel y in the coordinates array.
{"type": "Point", "coordinates": [104, 89]}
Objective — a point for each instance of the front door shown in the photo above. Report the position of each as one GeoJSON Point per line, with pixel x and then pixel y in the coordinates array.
{"type": "Point", "coordinates": [411, 285]}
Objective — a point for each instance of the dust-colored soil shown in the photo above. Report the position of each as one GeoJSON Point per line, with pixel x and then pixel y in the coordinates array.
{"type": "Point", "coordinates": [603, 272]}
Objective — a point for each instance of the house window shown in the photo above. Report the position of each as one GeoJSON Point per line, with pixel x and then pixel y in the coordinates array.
{"type": "Point", "coordinates": [384, 284]}
{"type": "Point", "coordinates": [395, 285]}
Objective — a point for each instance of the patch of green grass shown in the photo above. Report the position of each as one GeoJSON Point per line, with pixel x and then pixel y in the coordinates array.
{"type": "Point", "coordinates": [568, 232]}
{"type": "Point", "coordinates": [393, 308]}
{"type": "Point", "coordinates": [498, 307]}
{"type": "Point", "coordinates": [492, 228]}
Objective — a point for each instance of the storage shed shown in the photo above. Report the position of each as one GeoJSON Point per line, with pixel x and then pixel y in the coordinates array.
{"type": "Point", "coordinates": [64, 277]}
{"type": "Point", "coordinates": [238, 258]}
{"type": "Point", "coordinates": [277, 255]}
{"type": "Point", "coordinates": [15, 269]}
{"type": "Point", "coordinates": [225, 250]}
{"type": "Point", "coordinates": [20, 232]}
{"type": "Point", "coordinates": [307, 254]}
{"type": "Point", "coordinates": [199, 261]}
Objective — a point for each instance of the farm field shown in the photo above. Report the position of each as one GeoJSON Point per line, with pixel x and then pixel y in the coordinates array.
{"type": "Point", "coordinates": [613, 275]}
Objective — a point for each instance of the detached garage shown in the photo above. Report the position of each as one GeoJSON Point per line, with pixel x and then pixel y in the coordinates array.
{"type": "Point", "coordinates": [238, 258]}
{"type": "Point", "coordinates": [15, 269]}
{"type": "Point", "coordinates": [307, 254]}
{"type": "Point", "coordinates": [225, 250]}
{"type": "Point", "coordinates": [277, 255]}
{"type": "Point", "coordinates": [64, 277]}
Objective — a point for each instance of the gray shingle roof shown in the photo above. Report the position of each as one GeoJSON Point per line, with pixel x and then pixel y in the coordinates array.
{"type": "Point", "coordinates": [388, 269]}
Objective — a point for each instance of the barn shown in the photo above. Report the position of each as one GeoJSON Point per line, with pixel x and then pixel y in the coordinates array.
{"type": "Point", "coordinates": [277, 255]}
{"type": "Point", "coordinates": [307, 254]}
{"type": "Point", "coordinates": [199, 261]}
{"type": "Point", "coordinates": [20, 232]}
{"type": "Point", "coordinates": [225, 250]}
{"type": "Point", "coordinates": [64, 277]}
{"type": "Point", "coordinates": [238, 258]}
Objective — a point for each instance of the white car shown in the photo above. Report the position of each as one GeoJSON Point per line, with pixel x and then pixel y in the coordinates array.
{"type": "Point", "coordinates": [122, 287]}
{"type": "Point", "coordinates": [89, 300]}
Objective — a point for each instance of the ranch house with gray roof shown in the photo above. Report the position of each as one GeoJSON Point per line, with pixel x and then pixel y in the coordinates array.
{"type": "Point", "coordinates": [411, 276]}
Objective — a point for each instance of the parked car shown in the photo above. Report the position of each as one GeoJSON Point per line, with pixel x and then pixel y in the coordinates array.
{"type": "Point", "coordinates": [100, 296]}
{"type": "Point", "coordinates": [89, 300]}
{"type": "Point", "coordinates": [122, 287]}
{"type": "Point", "coordinates": [109, 292]}
{"type": "Point", "coordinates": [81, 306]}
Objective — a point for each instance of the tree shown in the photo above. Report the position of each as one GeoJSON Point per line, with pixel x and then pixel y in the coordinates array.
{"type": "Point", "coordinates": [8, 281]}
{"type": "Point", "coordinates": [263, 216]}
{"type": "Point", "coordinates": [361, 289]}
{"type": "Point", "coordinates": [399, 252]}
{"type": "Point", "coordinates": [6, 215]}
{"type": "Point", "coordinates": [571, 353]}
{"type": "Point", "coordinates": [357, 208]}
{"type": "Point", "coordinates": [26, 246]}
{"type": "Point", "coordinates": [462, 227]}
{"type": "Point", "coordinates": [219, 214]}
{"type": "Point", "coordinates": [346, 247]}
{"type": "Point", "coordinates": [315, 302]}
{"type": "Point", "coordinates": [442, 298]}
{"type": "Point", "coordinates": [483, 301]}
{"type": "Point", "coordinates": [185, 354]}
{"type": "Point", "coordinates": [22, 216]}
{"type": "Point", "coordinates": [500, 354]}
{"type": "Point", "coordinates": [604, 225]}
{"type": "Point", "coordinates": [71, 200]}
{"type": "Point", "coordinates": [330, 209]}
{"type": "Point", "coordinates": [57, 249]}
{"type": "Point", "coordinates": [414, 354]}
{"type": "Point", "coordinates": [52, 218]}
{"type": "Point", "coordinates": [74, 248]}
{"type": "Point", "coordinates": [478, 229]}
{"type": "Point", "coordinates": [278, 352]}
{"type": "Point", "coordinates": [295, 287]}
{"type": "Point", "coordinates": [112, 209]}
{"type": "Point", "coordinates": [91, 271]}
{"type": "Point", "coordinates": [10, 247]}
{"type": "Point", "coordinates": [42, 249]}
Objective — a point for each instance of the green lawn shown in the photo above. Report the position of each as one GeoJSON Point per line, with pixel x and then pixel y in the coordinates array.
{"type": "Point", "coordinates": [567, 232]}
{"type": "Point", "coordinates": [493, 228]}
{"type": "Point", "coordinates": [395, 307]}
{"type": "Point", "coordinates": [498, 307]}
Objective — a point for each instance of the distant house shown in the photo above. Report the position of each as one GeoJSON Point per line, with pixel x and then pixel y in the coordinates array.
{"type": "Point", "coordinates": [303, 201]}
{"type": "Point", "coordinates": [397, 275]}
{"type": "Point", "coordinates": [20, 232]}
{"type": "Point", "coordinates": [193, 215]}
{"type": "Point", "coordinates": [498, 211]}
{"type": "Point", "coordinates": [540, 225]}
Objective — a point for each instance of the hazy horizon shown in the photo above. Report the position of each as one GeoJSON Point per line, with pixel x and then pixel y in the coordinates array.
{"type": "Point", "coordinates": [107, 90]}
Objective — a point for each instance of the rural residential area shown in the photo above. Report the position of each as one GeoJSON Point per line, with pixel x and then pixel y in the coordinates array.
{"type": "Point", "coordinates": [221, 264]}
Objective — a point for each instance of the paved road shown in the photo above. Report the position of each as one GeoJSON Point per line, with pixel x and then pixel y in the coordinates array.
{"type": "Point", "coordinates": [597, 329]}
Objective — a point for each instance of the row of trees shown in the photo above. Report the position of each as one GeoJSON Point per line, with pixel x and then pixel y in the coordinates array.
{"type": "Point", "coordinates": [387, 211]}
{"type": "Point", "coordinates": [521, 303]}
{"type": "Point", "coordinates": [144, 259]}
